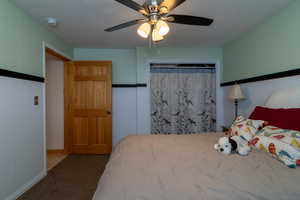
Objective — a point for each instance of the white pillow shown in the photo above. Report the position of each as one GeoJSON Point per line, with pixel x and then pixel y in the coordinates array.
{"type": "Point", "coordinates": [289, 98]}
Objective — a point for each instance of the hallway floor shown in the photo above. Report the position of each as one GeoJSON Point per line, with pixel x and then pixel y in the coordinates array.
{"type": "Point", "coordinates": [53, 158]}
{"type": "Point", "coordinates": [75, 178]}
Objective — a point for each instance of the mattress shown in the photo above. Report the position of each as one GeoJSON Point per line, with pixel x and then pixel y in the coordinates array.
{"type": "Point", "coordinates": [186, 167]}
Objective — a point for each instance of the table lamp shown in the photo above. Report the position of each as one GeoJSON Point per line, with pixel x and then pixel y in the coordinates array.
{"type": "Point", "coordinates": [236, 94]}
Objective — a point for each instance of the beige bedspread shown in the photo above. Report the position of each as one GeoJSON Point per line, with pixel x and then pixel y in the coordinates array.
{"type": "Point", "coordinates": [187, 167]}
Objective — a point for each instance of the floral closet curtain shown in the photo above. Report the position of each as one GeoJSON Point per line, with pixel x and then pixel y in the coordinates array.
{"type": "Point", "coordinates": [183, 99]}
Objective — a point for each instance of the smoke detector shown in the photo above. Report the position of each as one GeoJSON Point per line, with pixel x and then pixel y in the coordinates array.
{"type": "Point", "coordinates": [51, 22]}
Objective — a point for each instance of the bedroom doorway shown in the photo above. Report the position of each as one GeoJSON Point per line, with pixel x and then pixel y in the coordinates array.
{"type": "Point", "coordinates": [183, 98]}
{"type": "Point", "coordinates": [54, 107]}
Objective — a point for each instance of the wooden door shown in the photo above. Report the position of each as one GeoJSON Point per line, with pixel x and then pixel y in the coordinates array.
{"type": "Point", "coordinates": [88, 107]}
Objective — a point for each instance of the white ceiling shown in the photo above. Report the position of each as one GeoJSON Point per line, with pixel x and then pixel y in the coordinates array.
{"type": "Point", "coordinates": [81, 22]}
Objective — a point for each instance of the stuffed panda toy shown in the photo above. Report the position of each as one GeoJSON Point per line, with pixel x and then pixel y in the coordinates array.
{"type": "Point", "coordinates": [228, 145]}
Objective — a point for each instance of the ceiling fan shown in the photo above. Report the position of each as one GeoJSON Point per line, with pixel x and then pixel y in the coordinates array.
{"type": "Point", "coordinates": [156, 15]}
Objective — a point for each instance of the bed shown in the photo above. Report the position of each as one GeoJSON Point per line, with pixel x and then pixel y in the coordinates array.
{"type": "Point", "coordinates": [186, 167]}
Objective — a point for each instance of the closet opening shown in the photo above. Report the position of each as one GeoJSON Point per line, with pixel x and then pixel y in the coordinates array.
{"type": "Point", "coordinates": [183, 98]}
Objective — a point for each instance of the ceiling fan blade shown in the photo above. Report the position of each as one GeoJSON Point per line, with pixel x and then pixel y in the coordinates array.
{"type": "Point", "coordinates": [189, 20]}
{"type": "Point", "coordinates": [170, 4]}
{"type": "Point", "coordinates": [133, 5]}
{"type": "Point", "coordinates": [125, 25]}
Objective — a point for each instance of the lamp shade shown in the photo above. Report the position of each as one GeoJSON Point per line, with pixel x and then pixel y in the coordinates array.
{"type": "Point", "coordinates": [236, 93]}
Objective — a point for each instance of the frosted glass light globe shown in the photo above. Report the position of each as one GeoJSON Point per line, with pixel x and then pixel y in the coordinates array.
{"type": "Point", "coordinates": [162, 27]}
{"type": "Point", "coordinates": [156, 37]}
{"type": "Point", "coordinates": [144, 30]}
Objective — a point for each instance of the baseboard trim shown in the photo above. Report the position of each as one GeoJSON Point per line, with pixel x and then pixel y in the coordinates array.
{"type": "Point", "coordinates": [26, 186]}
{"type": "Point", "coordinates": [56, 151]}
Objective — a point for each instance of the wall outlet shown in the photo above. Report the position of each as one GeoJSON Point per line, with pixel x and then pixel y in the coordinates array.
{"type": "Point", "coordinates": [36, 100]}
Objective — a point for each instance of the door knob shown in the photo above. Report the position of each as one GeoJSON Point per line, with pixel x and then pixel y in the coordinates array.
{"type": "Point", "coordinates": [108, 112]}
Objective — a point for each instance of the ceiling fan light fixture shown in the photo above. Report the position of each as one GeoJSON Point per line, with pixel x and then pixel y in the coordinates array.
{"type": "Point", "coordinates": [156, 37]}
{"type": "Point", "coordinates": [144, 30]}
{"type": "Point", "coordinates": [163, 10]}
{"type": "Point", "coordinates": [155, 25]}
{"type": "Point", "coordinates": [162, 27]}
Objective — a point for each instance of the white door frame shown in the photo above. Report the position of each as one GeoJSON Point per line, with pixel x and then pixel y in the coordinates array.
{"type": "Point", "coordinates": [44, 47]}
{"type": "Point", "coordinates": [219, 90]}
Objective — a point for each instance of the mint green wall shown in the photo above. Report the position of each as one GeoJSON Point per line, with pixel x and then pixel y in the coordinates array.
{"type": "Point", "coordinates": [130, 65]}
{"type": "Point", "coordinates": [145, 55]}
{"type": "Point", "coordinates": [124, 62]}
{"type": "Point", "coordinates": [21, 41]}
{"type": "Point", "coordinates": [271, 47]}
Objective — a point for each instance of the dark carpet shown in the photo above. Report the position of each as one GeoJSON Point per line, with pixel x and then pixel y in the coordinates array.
{"type": "Point", "coordinates": [75, 178]}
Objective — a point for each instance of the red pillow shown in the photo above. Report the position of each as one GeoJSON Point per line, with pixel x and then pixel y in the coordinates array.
{"type": "Point", "coordinates": [282, 118]}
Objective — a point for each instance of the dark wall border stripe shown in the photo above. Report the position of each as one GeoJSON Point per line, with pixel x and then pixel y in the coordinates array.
{"type": "Point", "coordinates": [283, 74]}
{"type": "Point", "coordinates": [183, 65]}
{"type": "Point", "coordinates": [129, 85]}
{"type": "Point", "coordinates": [19, 75]}
{"type": "Point", "coordinates": [141, 85]}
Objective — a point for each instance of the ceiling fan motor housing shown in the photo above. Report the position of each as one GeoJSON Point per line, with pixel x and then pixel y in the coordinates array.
{"type": "Point", "coordinates": [153, 2]}
{"type": "Point", "coordinates": [153, 18]}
